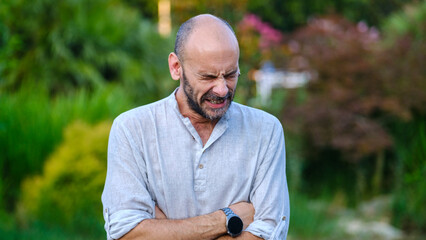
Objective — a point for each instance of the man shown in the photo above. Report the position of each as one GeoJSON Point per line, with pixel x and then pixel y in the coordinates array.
{"type": "Point", "coordinates": [193, 165]}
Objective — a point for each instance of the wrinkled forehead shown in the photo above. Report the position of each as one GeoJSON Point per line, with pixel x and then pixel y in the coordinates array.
{"type": "Point", "coordinates": [212, 58]}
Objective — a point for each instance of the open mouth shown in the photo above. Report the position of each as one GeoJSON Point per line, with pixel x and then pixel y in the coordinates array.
{"type": "Point", "coordinates": [218, 101]}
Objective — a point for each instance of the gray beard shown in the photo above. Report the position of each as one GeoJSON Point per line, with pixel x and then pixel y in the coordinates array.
{"type": "Point", "coordinates": [189, 92]}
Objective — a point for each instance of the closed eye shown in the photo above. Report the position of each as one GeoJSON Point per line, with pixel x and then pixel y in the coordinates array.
{"type": "Point", "coordinates": [233, 74]}
{"type": "Point", "coordinates": [208, 77]}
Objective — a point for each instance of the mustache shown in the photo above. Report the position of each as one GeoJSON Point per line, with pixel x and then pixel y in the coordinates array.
{"type": "Point", "coordinates": [211, 96]}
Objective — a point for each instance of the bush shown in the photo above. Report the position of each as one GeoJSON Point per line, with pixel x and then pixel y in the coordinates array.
{"type": "Point", "coordinates": [339, 115]}
{"type": "Point", "coordinates": [68, 192]}
{"type": "Point", "coordinates": [31, 125]}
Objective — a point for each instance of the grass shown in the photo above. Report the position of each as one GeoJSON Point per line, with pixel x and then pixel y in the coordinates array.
{"type": "Point", "coordinates": [312, 219]}
{"type": "Point", "coordinates": [10, 230]}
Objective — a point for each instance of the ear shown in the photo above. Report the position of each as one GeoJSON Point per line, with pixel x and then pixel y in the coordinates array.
{"type": "Point", "coordinates": [174, 66]}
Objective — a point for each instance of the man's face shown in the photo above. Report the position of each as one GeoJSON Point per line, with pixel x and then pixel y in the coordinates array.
{"type": "Point", "coordinates": [202, 98]}
{"type": "Point", "coordinates": [208, 69]}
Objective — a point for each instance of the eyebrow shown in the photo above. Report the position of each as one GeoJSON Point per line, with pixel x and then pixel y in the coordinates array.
{"type": "Point", "coordinates": [209, 75]}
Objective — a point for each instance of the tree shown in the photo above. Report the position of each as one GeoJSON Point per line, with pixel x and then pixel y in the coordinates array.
{"type": "Point", "coordinates": [357, 91]}
{"type": "Point", "coordinates": [290, 14]}
{"type": "Point", "coordinates": [64, 45]}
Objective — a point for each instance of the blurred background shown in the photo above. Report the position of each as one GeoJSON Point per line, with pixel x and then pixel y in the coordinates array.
{"type": "Point", "coordinates": [345, 77]}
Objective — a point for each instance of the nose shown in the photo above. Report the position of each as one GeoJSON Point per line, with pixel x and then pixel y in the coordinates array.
{"type": "Point", "coordinates": [220, 89]}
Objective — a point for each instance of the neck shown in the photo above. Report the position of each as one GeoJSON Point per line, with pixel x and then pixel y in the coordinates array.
{"type": "Point", "coordinates": [202, 125]}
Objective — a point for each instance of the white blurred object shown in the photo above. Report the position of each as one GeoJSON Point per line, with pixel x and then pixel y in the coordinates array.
{"type": "Point", "coordinates": [378, 230]}
{"type": "Point", "coordinates": [268, 78]}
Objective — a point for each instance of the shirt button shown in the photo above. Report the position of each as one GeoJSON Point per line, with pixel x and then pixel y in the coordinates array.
{"type": "Point", "coordinates": [284, 218]}
{"type": "Point", "coordinates": [201, 166]}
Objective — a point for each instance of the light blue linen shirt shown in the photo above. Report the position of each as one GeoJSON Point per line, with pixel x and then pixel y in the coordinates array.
{"type": "Point", "coordinates": [156, 157]}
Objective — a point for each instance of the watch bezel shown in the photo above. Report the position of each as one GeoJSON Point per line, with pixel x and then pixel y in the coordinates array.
{"type": "Point", "coordinates": [230, 228]}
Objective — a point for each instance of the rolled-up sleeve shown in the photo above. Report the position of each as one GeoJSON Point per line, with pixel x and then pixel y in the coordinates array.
{"type": "Point", "coordinates": [126, 199]}
{"type": "Point", "coordinates": [270, 193]}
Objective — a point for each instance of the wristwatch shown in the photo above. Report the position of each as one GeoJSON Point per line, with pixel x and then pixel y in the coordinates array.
{"type": "Point", "coordinates": [234, 224]}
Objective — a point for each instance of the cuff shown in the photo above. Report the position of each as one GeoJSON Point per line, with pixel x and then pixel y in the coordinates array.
{"type": "Point", "coordinates": [268, 231]}
{"type": "Point", "coordinates": [119, 223]}
{"type": "Point", "coordinates": [260, 229]}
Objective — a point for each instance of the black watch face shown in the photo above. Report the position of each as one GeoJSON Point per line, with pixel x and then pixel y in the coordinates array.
{"type": "Point", "coordinates": [235, 225]}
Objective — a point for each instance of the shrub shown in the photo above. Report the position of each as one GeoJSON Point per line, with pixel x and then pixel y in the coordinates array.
{"type": "Point", "coordinates": [28, 133]}
{"type": "Point", "coordinates": [68, 192]}
{"type": "Point", "coordinates": [31, 125]}
{"type": "Point", "coordinates": [361, 88]}
{"type": "Point", "coordinates": [339, 117]}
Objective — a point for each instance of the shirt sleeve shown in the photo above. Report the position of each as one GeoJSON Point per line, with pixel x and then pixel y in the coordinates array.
{"type": "Point", "coordinates": [126, 199]}
{"type": "Point", "coordinates": [270, 193]}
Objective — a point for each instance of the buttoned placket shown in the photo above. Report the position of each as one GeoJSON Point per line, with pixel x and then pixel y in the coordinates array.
{"type": "Point", "coordinates": [200, 164]}
{"type": "Point", "coordinates": [200, 161]}
{"type": "Point", "coordinates": [200, 171]}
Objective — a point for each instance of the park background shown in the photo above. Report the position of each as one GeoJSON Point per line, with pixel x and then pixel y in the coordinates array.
{"type": "Point", "coordinates": [355, 133]}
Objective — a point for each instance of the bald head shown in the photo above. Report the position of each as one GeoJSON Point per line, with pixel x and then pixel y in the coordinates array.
{"type": "Point", "coordinates": [203, 27]}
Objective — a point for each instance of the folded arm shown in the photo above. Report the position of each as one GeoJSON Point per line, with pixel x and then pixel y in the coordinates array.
{"type": "Point", "coordinates": [209, 226]}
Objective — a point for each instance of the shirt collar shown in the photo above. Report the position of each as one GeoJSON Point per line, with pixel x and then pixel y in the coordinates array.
{"type": "Point", "coordinates": [218, 130]}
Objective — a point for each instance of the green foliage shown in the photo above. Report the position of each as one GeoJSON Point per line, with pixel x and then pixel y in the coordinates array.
{"type": "Point", "coordinates": [231, 11]}
{"type": "Point", "coordinates": [406, 40]}
{"type": "Point", "coordinates": [148, 8]}
{"type": "Point", "coordinates": [410, 195]}
{"type": "Point", "coordinates": [10, 230]}
{"type": "Point", "coordinates": [409, 22]}
{"type": "Point", "coordinates": [291, 14]}
{"type": "Point", "coordinates": [310, 219]}
{"type": "Point", "coordinates": [64, 60]}
{"type": "Point", "coordinates": [63, 45]}
{"type": "Point", "coordinates": [27, 134]}
{"type": "Point", "coordinates": [31, 126]}
{"type": "Point", "coordinates": [68, 191]}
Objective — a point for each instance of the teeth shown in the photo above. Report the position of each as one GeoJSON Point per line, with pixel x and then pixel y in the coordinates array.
{"type": "Point", "coordinates": [216, 102]}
